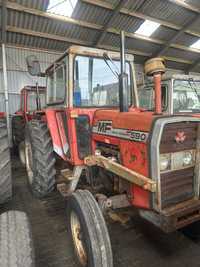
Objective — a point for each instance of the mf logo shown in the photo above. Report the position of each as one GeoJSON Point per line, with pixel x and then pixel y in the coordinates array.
{"type": "Point", "coordinates": [104, 126]}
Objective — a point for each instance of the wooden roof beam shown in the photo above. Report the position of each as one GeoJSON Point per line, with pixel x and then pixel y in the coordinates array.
{"type": "Point", "coordinates": [115, 12]}
{"type": "Point", "coordinates": [177, 35]}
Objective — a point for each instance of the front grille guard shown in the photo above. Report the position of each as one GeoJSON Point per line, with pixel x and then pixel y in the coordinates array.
{"type": "Point", "coordinates": [155, 157]}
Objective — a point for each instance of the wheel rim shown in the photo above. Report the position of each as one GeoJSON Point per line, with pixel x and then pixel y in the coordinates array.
{"type": "Point", "coordinates": [29, 161]}
{"type": "Point", "coordinates": [78, 238]}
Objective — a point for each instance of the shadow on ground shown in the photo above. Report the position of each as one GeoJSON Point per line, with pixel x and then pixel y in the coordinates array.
{"type": "Point", "coordinates": [137, 244]}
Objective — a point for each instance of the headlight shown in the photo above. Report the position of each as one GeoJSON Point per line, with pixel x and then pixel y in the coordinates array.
{"type": "Point", "coordinates": [177, 160]}
{"type": "Point", "coordinates": [182, 159]}
{"type": "Point", "coordinates": [187, 158]}
{"type": "Point", "coordinates": [164, 162]}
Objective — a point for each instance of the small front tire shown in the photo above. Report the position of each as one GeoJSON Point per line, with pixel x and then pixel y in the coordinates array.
{"type": "Point", "coordinates": [88, 231]}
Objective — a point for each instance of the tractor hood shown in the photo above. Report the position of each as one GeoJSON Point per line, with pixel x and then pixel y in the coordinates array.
{"type": "Point", "coordinates": [134, 119]}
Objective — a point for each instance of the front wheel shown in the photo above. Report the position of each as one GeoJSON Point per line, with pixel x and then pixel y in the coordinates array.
{"type": "Point", "coordinates": [88, 231]}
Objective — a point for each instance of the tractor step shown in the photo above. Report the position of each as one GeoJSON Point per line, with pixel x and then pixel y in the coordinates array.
{"type": "Point", "coordinates": [63, 189]}
{"type": "Point", "coordinates": [65, 176]}
{"type": "Point", "coordinates": [67, 180]}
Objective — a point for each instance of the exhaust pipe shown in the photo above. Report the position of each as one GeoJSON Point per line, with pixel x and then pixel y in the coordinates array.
{"type": "Point", "coordinates": [158, 93]}
{"type": "Point", "coordinates": [156, 67]}
{"type": "Point", "coordinates": [123, 78]}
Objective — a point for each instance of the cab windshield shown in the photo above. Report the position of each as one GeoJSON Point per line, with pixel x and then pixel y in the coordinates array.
{"type": "Point", "coordinates": [146, 97]}
{"type": "Point", "coordinates": [186, 96]}
{"type": "Point", "coordinates": [96, 82]}
{"type": "Point", "coordinates": [32, 100]}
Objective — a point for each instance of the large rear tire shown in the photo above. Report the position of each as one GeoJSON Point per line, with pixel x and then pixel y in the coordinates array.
{"type": "Point", "coordinates": [88, 231]}
{"type": "Point", "coordinates": [5, 165]}
{"type": "Point", "coordinates": [40, 160]}
{"type": "Point", "coordinates": [18, 130]}
{"type": "Point", "coordinates": [16, 245]}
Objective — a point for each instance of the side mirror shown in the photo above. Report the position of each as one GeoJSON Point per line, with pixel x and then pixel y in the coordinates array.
{"type": "Point", "coordinates": [33, 65]}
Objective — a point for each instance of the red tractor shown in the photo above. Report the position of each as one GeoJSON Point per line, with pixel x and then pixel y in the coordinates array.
{"type": "Point", "coordinates": [32, 100]}
{"type": "Point", "coordinates": [180, 94]}
{"type": "Point", "coordinates": [105, 142]}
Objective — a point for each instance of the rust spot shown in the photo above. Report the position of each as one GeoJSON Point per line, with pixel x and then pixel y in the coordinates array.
{"type": "Point", "coordinates": [133, 158]}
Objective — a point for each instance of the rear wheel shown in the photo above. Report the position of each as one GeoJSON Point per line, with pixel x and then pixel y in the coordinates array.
{"type": "Point", "coordinates": [18, 130]}
{"type": "Point", "coordinates": [39, 158]}
{"type": "Point", "coordinates": [16, 246]}
{"type": "Point", "coordinates": [5, 165]}
{"type": "Point", "coordinates": [88, 231]}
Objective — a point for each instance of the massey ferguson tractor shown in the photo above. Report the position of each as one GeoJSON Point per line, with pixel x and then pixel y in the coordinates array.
{"type": "Point", "coordinates": [16, 246]}
{"type": "Point", "coordinates": [180, 94]}
{"type": "Point", "coordinates": [32, 100]}
{"type": "Point", "coordinates": [125, 156]}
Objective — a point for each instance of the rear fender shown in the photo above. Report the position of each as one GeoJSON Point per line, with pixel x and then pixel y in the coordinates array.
{"type": "Point", "coordinates": [56, 128]}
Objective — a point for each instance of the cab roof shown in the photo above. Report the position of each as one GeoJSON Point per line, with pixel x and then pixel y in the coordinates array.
{"type": "Point", "coordinates": [90, 51]}
{"type": "Point", "coordinates": [181, 77]}
{"type": "Point", "coordinates": [175, 77]}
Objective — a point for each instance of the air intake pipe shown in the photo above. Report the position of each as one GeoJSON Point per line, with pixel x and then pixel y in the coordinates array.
{"type": "Point", "coordinates": [123, 78]}
{"type": "Point", "coordinates": [156, 67]}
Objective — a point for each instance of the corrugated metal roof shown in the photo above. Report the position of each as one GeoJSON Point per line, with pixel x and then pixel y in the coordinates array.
{"type": "Point", "coordinates": [132, 44]}
{"type": "Point", "coordinates": [186, 39]}
{"type": "Point", "coordinates": [172, 52]}
{"type": "Point", "coordinates": [38, 4]}
{"type": "Point", "coordinates": [126, 23]}
{"type": "Point", "coordinates": [19, 39]}
{"type": "Point", "coordinates": [164, 33]}
{"type": "Point", "coordinates": [92, 13]}
{"type": "Point", "coordinates": [166, 10]}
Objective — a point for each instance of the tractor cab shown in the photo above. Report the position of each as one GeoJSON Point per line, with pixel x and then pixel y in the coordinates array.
{"type": "Point", "coordinates": [88, 78]}
{"type": "Point", "coordinates": [180, 94]}
{"type": "Point", "coordinates": [33, 99]}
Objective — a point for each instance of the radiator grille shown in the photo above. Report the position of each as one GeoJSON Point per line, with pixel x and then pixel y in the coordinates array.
{"type": "Point", "coordinates": [177, 186]}
{"type": "Point", "coordinates": [168, 143]}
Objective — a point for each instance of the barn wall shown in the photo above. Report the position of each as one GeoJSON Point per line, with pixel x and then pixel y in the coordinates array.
{"type": "Point", "coordinates": [17, 73]}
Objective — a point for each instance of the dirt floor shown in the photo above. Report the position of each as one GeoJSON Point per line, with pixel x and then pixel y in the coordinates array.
{"type": "Point", "coordinates": [136, 244]}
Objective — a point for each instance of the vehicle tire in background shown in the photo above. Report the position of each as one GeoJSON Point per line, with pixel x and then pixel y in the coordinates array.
{"type": "Point", "coordinates": [16, 245]}
{"type": "Point", "coordinates": [39, 157]}
{"type": "Point", "coordinates": [5, 164]}
{"type": "Point", "coordinates": [18, 130]}
{"type": "Point", "coordinates": [22, 153]}
{"type": "Point", "coordinates": [88, 231]}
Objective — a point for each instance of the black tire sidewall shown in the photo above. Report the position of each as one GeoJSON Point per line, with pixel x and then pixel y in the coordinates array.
{"type": "Point", "coordinates": [20, 121]}
{"type": "Point", "coordinates": [28, 137]}
{"type": "Point", "coordinates": [43, 173]}
{"type": "Point", "coordinates": [73, 205]}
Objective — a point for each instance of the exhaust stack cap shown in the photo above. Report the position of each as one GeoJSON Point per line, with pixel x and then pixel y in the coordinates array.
{"type": "Point", "coordinates": [154, 65]}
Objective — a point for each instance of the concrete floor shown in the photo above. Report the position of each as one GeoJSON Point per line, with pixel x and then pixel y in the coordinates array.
{"type": "Point", "coordinates": [137, 244]}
